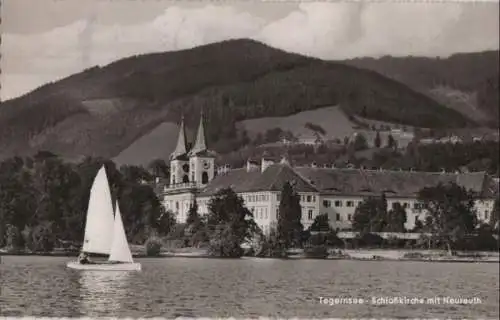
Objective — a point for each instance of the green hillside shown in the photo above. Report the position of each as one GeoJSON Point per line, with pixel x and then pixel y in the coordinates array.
{"type": "Point", "coordinates": [103, 110]}
{"type": "Point", "coordinates": [466, 82]}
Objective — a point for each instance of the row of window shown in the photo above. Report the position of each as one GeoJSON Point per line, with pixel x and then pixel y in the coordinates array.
{"type": "Point", "coordinates": [339, 203]}
{"type": "Point", "coordinates": [256, 198]}
{"type": "Point", "coordinates": [351, 203]}
{"type": "Point", "coordinates": [265, 197]}
{"type": "Point", "coordinates": [307, 198]}
{"type": "Point", "coordinates": [260, 213]}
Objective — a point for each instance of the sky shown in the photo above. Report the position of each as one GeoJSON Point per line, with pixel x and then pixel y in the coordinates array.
{"type": "Point", "coordinates": [47, 40]}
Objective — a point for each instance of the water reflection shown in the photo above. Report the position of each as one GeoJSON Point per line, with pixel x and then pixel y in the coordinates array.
{"type": "Point", "coordinates": [103, 292]}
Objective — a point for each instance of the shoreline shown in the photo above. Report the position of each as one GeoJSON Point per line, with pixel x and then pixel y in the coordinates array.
{"type": "Point", "coordinates": [353, 255]}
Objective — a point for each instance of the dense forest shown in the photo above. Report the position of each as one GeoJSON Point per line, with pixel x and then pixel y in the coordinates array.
{"type": "Point", "coordinates": [43, 201]}
{"type": "Point", "coordinates": [104, 109]}
{"type": "Point", "coordinates": [475, 73]}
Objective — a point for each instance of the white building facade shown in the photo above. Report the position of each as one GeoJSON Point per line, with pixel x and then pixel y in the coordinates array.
{"type": "Point", "coordinates": [331, 191]}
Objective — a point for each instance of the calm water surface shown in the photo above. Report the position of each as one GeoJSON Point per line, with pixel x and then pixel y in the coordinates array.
{"type": "Point", "coordinates": [183, 287]}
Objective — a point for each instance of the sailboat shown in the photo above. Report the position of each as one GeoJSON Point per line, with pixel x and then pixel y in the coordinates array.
{"type": "Point", "coordinates": [105, 234]}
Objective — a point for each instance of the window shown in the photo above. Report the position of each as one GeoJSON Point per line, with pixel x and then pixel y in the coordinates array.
{"type": "Point", "coordinates": [350, 203]}
{"type": "Point", "coordinates": [338, 217]}
{"type": "Point", "coordinates": [277, 213]}
{"type": "Point", "coordinates": [177, 205]}
{"type": "Point", "coordinates": [405, 205]}
{"type": "Point", "coordinates": [204, 177]}
{"type": "Point", "coordinates": [486, 213]}
{"type": "Point", "coordinates": [338, 203]}
{"type": "Point", "coordinates": [394, 205]}
{"type": "Point", "coordinates": [310, 214]}
{"type": "Point", "coordinates": [309, 198]}
{"type": "Point", "coordinates": [278, 196]}
{"type": "Point", "coordinates": [349, 217]}
{"type": "Point", "coordinates": [326, 203]}
{"type": "Point", "coordinates": [314, 198]}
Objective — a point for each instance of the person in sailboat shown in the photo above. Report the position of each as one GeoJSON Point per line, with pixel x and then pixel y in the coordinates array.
{"type": "Point", "coordinates": [83, 258]}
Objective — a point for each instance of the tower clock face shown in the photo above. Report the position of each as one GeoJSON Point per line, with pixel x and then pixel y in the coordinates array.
{"type": "Point", "coordinates": [206, 164]}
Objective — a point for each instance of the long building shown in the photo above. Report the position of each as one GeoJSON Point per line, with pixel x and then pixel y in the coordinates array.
{"type": "Point", "coordinates": [336, 192]}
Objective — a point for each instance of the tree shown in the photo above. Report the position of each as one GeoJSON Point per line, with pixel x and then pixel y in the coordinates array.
{"type": "Point", "coordinates": [159, 168]}
{"type": "Point", "coordinates": [165, 223]}
{"type": "Point", "coordinates": [377, 142]}
{"type": "Point", "coordinates": [41, 238]}
{"type": "Point", "coordinates": [193, 216]}
{"type": "Point", "coordinates": [290, 213]}
{"type": "Point", "coordinates": [13, 238]}
{"type": "Point", "coordinates": [391, 143]}
{"type": "Point", "coordinates": [396, 219]}
{"type": "Point", "coordinates": [451, 213]}
{"type": "Point", "coordinates": [229, 223]}
{"type": "Point", "coordinates": [370, 215]}
{"type": "Point", "coordinates": [320, 223]}
{"type": "Point", "coordinates": [360, 142]}
{"type": "Point", "coordinates": [195, 229]}
{"type": "Point", "coordinates": [494, 219]}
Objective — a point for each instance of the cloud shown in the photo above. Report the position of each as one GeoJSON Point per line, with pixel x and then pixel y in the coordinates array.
{"type": "Point", "coordinates": [326, 30]}
{"type": "Point", "coordinates": [346, 30]}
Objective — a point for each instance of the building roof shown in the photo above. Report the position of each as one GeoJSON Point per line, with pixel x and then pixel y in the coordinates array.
{"type": "Point", "coordinates": [355, 182]}
{"type": "Point", "coordinates": [181, 147]}
{"type": "Point", "coordinates": [271, 179]}
{"type": "Point", "coordinates": [200, 145]}
{"type": "Point", "coordinates": [393, 183]}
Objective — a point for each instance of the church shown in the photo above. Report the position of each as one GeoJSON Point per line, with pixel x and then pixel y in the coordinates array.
{"type": "Point", "coordinates": [332, 191]}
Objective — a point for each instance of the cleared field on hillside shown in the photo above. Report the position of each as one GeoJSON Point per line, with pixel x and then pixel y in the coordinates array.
{"type": "Point", "coordinates": [331, 119]}
{"type": "Point", "coordinates": [158, 143]}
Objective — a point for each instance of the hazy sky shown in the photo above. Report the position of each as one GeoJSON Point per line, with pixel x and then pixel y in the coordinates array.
{"type": "Point", "coordinates": [45, 40]}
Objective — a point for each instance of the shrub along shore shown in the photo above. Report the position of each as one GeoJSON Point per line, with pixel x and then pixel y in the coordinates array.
{"type": "Point", "coordinates": [45, 200]}
{"type": "Point", "coordinates": [332, 254]}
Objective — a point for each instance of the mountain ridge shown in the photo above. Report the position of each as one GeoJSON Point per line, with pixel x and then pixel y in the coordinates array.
{"type": "Point", "coordinates": [473, 76]}
{"type": "Point", "coordinates": [103, 110]}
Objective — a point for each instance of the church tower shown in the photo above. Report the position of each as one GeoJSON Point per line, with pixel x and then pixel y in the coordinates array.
{"type": "Point", "coordinates": [179, 161]}
{"type": "Point", "coordinates": [201, 160]}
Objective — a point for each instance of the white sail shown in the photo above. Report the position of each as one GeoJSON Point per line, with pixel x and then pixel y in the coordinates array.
{"type": "Point", "coordinates": [120, 250]}
{"type": "Point", "coordinates": [100, 221]}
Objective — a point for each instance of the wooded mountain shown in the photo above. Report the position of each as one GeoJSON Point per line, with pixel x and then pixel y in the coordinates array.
{"type": "Point", "coordinates": [101, 111]}
{"type": "Point", "coordinates": [466, 82]}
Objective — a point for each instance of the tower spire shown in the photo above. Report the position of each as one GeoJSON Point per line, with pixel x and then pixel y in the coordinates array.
{"type": "Point", "coordinates": [181, 147]}
{"type": "Point", "coordinates": [200, 143]}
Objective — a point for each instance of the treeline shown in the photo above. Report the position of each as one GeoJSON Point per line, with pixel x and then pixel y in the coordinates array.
{"type": "Point", "coordinates": [43, 201]}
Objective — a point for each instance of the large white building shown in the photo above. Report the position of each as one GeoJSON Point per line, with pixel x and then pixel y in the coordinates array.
{"type": "Point", "coordinates": [333, 191]}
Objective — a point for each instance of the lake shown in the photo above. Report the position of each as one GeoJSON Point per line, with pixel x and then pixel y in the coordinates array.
{"type": "Point", "coordinates": [184, 287]}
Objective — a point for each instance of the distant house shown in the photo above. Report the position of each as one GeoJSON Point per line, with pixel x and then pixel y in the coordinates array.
{"type": "Point", "coordinates": [450, 139]}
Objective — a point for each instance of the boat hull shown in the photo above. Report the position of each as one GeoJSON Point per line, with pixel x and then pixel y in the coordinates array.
{"type": "Point", "coordinates": [135, 266]}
